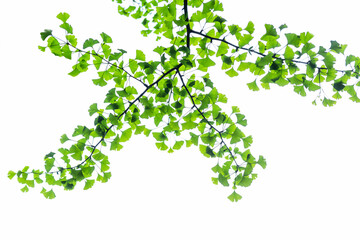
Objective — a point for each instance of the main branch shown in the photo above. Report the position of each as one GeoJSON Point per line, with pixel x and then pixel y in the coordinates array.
{"type": "Point", "coordinates": [261, 54]}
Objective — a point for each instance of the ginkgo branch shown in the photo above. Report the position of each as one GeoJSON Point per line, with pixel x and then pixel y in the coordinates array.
{"type": "Point", "coordinates": [206, 120]}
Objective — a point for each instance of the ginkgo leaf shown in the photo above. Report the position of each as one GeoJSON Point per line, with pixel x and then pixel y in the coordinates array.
{"type": "Point", "coordinates": [89, 183]}
{"type": "Point", "coordinates": [126, 135]}
{"type": "Point", "coordinates": [90, 43]}
{"type": "Point", "coordinates": [63, 16]}
{"type": "Point", "coordinates": [167, 98]}
{"type": "Point", "coordinates": [106, 38]}
{"type": "Point", "coordinates": [45, 34]}
{"type": "Point", "coordinates": [64, 138]}
{"type": "Point", "coordinates": [234, 197]}
{"type": "Point", "coordinates": [140, 55]}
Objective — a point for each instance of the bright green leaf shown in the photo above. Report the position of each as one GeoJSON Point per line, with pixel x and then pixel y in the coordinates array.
{"type": "Point", "coordinates": [11, 174]}
{"type": "Point", "coordinates": [63, 16]}
{"type": "Point", "coordinates": [90, 43]}
{"type": "Point", "coordinates": [106, 38]}
{"type": "Point", "coordinates": [64, 138]}
{"type": "Point", "coordinates": [140, 55]}
{"type": "Point", "coordinates": [89, 183]}
{"type": "Point", "coordinates": [234, 197]}
{"type": "Point", "coordinates": [126, 135]}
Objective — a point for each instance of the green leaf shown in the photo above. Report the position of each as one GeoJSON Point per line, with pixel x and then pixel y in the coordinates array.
{"type": "Point", "coordinates": [222, 49]}
{"type": "Point", "coordinates": [237, 136]}
{"type": "Point", "coordinates": [188, 125]}
{"type": "Point", "coordinates": [262, 162]}
{"type": "Point", "coordinates": [244, 40]}
{"type": "Point", "coordinates": [115, 144]}
{"type": "Point", "coordinates": [72, 40]}
{"type": "Point", "coordinates": [89, 183]}
{"type": "Point", "coordinates": [99, 82]}
{"type": "Point", "coordinates": [139, 129]}
{"type": "Point", "coordinates": [223, 180]}
{"type": "Point", "coordinates": [126, 135]}
{"type": "Point", "coordinates": [245, 181]}
{"type": "Point", "coordinates": [250, 27]}
{"type": "Point", "coordinates": [208, 139]}
{"type": "Point", "coordinates": [293, 39]}
{"type": "Point", "coordinates": [159, 136]}
{"type": "Point", "coordinates": [241, 119]}
{"type": "Point", "coordinates": [216, 169]}
{"type": "Point", "coordinates": [106, 50]}
{"type": "Point", "coordinates": [194, 138]}
{"type": "Point", "coordinates": [161, 146]}
{"type": "Point", "coordinates": [42, 48]}
{"type": "Point", "coordinates": [329, 60]}
{"type": "Point", "coordinates": [93, 109]}
{"type": "Point", "coordinates": [49, 163]}
{"type": "Point", "coordinates": [289, 53]}
{"type": "Point", "coordinates": [206, 151]}
{"type": "Point", "coordinates": [140, 55]}
{"type": "Point", "coordinates": [262, 62]}
{"type": "Point", "coordinates": [87, 171]}
{"type": "Point", "coordinates": [270, 31]}
{"type": "Point", "coordinates": [90, 43]}
{"type": "Point", "coordinates": [232, 73]}
{"type": "Point", "coordinates": [63, 16]}
{"type": "Point", "coordinates": [133, 65]}
{"type": "Point", "coordinates": [49, 178]}
{"type": "Point", "coordinates": [235, 109]}
{"type": "Point", "coordinates": [349, 59]}
{"type": "Point", "coordinates": [283, 26]}
{"type": "Point", "coordinates": [328, 102]}
{"type": "Point", "coordinates": [105, 165]}
{"type": "Point", "coordinates": [206, 62]}
{"type": "Point", "coordinates": [234, 197]}
{"type": "Point", "coordinates": [64, 138]}
{"type": "Point", "coordinates": [247, 141]}
{"type": "Point", "coordinates": [300, 90]}
{"type": "Point", "coordinates": [67, 27]}
{"type": "Point", "coordinates": [106, 38]}
{"type": "Point", "coordinates": [45, 34]}
{"type": "Point", "coordinates": [253, 86]}
{"type": "Point", "coordinates": [66, 52]}
{"type": "Point", "coordinates": [11, 174]}
{"type": "Point", "coordinates": [337, 96]}
{"type": "Point", "coordinates": [306, 37]}
{"type": "Point", "coordinates": [215, 180]}
{"type": "Point", "coordinates": [48, 195]}
{"type": "Point", "coordinates": [248, 169]}
{"type": "Point", "coordinates": [336, 47]}
{"type": "Point", "coordinates": [25, 189]}
{"type": "Point", "coordinates": [214, 94]}
{"type": "Point", "coordinates": [178, 145]}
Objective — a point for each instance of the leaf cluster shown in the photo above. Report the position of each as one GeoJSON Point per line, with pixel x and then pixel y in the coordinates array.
{"type": "Point", "coordinates": [172, 99]}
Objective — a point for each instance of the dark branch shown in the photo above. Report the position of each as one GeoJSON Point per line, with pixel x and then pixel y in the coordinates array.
{"type": "Point", "coordinates": [261, 54]}
{"type": "Point", "coordinates": [188, 29]}
{"type": "Point", "coordinates": [118, 117]}
{"type": "Point", "coordinates": [106, 61]}
{"type": "Point", "coordinates": [207, 121]}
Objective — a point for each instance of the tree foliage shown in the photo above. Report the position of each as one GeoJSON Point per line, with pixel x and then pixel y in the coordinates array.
{"type": "Point", "coordinates": [173, 99]}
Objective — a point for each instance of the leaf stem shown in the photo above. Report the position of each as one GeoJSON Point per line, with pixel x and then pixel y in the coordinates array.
{"type": "Point", "coordinates": [207, 121]}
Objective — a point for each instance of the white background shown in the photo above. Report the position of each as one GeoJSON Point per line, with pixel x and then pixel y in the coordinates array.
{"type": "Point", "coordinates": [310, 189]}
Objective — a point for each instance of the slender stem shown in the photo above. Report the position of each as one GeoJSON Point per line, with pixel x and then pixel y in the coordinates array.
{"type": "Point", "coordinates": [261, 54]}
{"type": "Point", "coordinates": [202, 114]}
{"type": "Point", "coordinates": [118, 117]}
{"type": "Point", "coordinates": [114, 65]}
